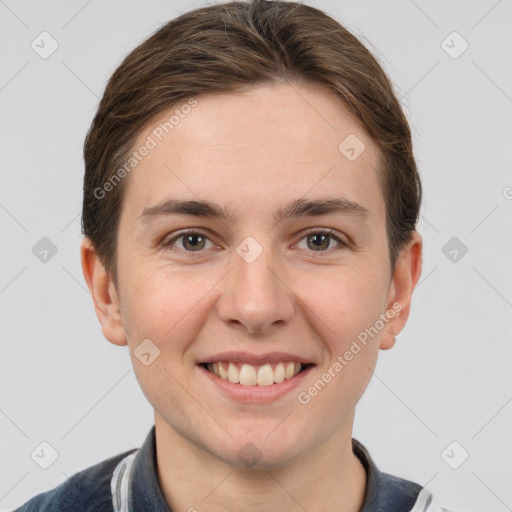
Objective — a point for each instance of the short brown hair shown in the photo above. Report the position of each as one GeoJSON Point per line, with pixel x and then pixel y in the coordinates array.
{"type": "Point", "coordinates": [230, 47]}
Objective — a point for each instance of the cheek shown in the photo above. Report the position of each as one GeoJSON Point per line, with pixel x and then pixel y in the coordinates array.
{"type": "Point", "coordinates": [347, 301]}
{"type": "Point", "coordinates": [345, 307]}
{"type": "Point", "coordinates": [167, 308]}
{"type": "Point", "coordinates": [160, 308]}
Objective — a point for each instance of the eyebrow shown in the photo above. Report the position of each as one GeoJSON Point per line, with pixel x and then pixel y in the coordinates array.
{"type": "Point", "coordinates": [296, 208]}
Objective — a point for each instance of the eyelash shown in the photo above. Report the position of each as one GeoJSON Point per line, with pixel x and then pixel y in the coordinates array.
{"type": "Point", "coordinates": [332, 234]}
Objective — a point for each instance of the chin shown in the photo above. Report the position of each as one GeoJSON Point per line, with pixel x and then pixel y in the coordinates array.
{"type": "Point", "coordinates": [259, 450]}
{"type": "Point", "coordinates": [251, 457]}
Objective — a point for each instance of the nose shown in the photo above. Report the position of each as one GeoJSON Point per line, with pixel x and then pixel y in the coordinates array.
{"type": "Point", "coordinates": [255, 295]}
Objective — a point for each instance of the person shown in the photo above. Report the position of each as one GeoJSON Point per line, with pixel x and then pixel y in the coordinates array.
{"type": "Point", "coordinates": [249, 217]}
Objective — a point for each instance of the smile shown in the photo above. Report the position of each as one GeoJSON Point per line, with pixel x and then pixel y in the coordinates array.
{"type": "Point", "coordinates": [255, 375]}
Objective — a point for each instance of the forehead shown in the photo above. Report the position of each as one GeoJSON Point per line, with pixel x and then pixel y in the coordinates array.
{"type": "Point", "coordinates": [239, 148]}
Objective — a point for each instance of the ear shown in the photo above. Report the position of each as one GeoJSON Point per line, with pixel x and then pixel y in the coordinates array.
{"type": "Point", "coordinates": [104, 295]}
{"type": "Point", "coordinates": [403, 282]}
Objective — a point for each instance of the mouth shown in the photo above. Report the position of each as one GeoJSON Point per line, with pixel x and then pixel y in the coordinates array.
{"type": "Point", "coordinates": [246, 374]}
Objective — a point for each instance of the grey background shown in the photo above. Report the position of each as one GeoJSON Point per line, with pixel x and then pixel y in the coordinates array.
{"type": "Point", "coordinates": [449, 376]}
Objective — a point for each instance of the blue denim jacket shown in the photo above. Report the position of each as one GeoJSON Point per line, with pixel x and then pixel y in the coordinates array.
{"type": "Point", "coordinates": [91, 489]}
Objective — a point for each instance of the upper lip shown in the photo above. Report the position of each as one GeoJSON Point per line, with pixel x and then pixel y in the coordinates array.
{"type": "Point", "coordinates": [255, 359]}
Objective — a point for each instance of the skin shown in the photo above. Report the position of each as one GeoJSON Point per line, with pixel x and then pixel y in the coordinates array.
{"type": "Point", "coordinates": [252, 152]}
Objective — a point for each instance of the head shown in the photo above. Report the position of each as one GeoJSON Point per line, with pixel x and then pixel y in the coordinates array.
{"type": "Point", "coordinates": [283, 125]}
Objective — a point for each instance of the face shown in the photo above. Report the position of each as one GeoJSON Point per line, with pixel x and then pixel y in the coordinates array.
{"type": "Point", "coordinates": [264, 286]}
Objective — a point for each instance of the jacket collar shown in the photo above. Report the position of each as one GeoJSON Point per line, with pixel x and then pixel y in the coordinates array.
{"type": "Point", "coordinates": [384, 492]}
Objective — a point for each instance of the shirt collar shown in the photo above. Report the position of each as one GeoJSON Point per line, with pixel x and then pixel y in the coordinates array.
{"type": "Point", "coordinates": [373, 477]}
{"type": "Point", "coordinates": [146, 494]}
{"type": "Point", "coordinates": [384, 492]}
{"type": "Point", "coordinates": [145, 491]}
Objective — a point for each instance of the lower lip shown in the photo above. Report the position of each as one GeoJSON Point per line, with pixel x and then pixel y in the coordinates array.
{"type": "Point", "coordinates": [257, 394]}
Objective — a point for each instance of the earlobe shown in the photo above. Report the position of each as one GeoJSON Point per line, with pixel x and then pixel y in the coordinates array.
{"type": "Point", "coordinates": [387, 341]}
{"type": "Point", "coordinates": [104, 295]}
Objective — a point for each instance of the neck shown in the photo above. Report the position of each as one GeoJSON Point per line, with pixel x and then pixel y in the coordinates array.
{"type": "Point", "coordinates": [330, 477]}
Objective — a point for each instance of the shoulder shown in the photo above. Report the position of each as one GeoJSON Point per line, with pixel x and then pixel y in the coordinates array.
{"type": "Point", "coordinates": [87, 490]}
{"type": "Point", "coordinates": [394, 493]}
{"type": "Point", "coordinates": [384, 492]}
{"type": "Point", "coordinates": [390, 493]}
{"type": "Point", "coordinates": [399, 494]}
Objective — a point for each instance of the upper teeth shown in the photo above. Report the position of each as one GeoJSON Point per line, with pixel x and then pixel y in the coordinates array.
{"type": "Point", "coordinates": [251, 375]}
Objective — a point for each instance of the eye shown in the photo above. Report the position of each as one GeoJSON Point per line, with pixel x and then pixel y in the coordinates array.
{"type": "Point", "coordinates": [193, 241]}
{"type": "Point", "coordinates": [321, 239]}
